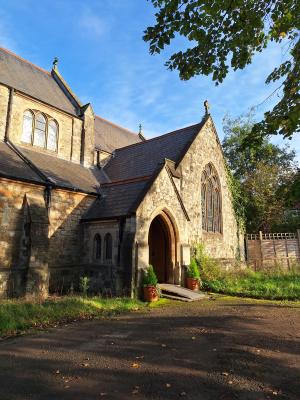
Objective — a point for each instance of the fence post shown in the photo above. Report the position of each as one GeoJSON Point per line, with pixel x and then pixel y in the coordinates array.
{"type": "Point", "coordinates": [261, 248]}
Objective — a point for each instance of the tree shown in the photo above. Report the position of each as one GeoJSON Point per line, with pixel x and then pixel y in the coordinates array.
{"type": "Point", "coordinates": [227, 34]}
{"type": "Point", "coordinates": [264, 175]}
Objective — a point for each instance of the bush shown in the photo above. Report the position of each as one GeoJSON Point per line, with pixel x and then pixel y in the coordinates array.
{"type": "Point", "coordinates": [84, 285]}
{"type": "Point", "coordinates": [150, 278]}
{"type": "Point", "coordinates": [193, 270]}
{"type": "Point", "coordinates": [208, 267]}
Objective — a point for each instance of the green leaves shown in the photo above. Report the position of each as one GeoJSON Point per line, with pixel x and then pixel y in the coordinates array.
{"type": "Point", "coordinates": [226, 34]}
{"type": "Point", "coordinates": [261, 175]}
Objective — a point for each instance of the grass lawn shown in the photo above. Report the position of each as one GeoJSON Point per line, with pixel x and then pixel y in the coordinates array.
{"type": "Point", "coordinates": [20, 315]}
{"type": "Point", "coordinates": [277, 286]}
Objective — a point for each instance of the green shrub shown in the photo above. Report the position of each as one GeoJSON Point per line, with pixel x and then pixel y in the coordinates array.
{"type": "Point", "coordinates": [193, 270]}
{"type": "Point", "coordinates": [84, 285]}
{"type": "Point", "coordinates": [150, 278]}
{"type": "Point", "coordinates": [208, 267]}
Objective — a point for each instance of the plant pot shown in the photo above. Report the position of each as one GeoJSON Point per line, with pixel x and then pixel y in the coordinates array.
{"type": "Point", "coordinates": [192, 283]}
{"type": "Point", "coordinates": [150, 293]}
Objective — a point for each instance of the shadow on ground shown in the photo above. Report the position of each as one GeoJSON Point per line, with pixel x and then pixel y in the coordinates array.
{"type": "Point", "coordinates": [204, 350]}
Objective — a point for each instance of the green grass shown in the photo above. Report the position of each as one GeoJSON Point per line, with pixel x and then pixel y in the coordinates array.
{"type": "Point", "coordinates": [20, 315]}
{"type": "Point", "coordinates": [261, 285]}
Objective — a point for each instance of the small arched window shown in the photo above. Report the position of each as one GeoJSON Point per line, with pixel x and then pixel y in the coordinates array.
{"type": "Point", "coordinates": [39, 137]}
{"type": "Point", "coordinates": [27, 127]}
{"type": "Point", "coordinates": [108, 246]}
{"type": "Point", "coordinates": [211, 200]}
{"type": "Point", "coordinates": [97, 246]}
{"type": "Point", "coordinates": [52, 135]}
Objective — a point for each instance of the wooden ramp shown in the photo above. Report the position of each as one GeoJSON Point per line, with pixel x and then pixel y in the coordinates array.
{"type": "Point", "coordinates": [177, 292]}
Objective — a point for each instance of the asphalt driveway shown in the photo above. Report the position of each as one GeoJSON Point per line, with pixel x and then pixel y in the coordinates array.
{"type": "Point", "coordinates": [222, 349]}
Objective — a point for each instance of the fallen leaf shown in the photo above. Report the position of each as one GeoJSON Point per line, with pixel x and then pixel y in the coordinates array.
{"type": "Point", "coordinates": [135, 365]}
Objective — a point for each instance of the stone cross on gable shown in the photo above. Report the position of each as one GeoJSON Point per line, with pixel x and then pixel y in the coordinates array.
{"type": "Point", "coordinates": [206, 105]}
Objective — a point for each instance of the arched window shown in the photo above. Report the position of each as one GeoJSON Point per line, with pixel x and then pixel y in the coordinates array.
{"type": "Point", "coordinates": [27, 127]}
{"type": "Point", "coordinates": [39, 137]}
{"type": "Point", "coordinates": [108, 246]}
{"type": "Point", "coordinates": [211, 200]}
{"type": "Point", "coordinates": [52, 135]}
{"type": "Point", "coordinates": [97, 246]}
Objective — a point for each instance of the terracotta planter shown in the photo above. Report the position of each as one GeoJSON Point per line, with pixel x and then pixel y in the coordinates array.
{"type": "Point", "coordinates": [192, 283]}
{"type": "Point", "coordinates": [150, 293]}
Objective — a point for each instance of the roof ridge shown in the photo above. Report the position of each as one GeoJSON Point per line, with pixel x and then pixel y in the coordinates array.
{"type": "Point", "coordinates": [28, 62]}
{"type": "Point", "coordinates": [116, 125]}
{"type": "Point", "coordinates": [158, 137]}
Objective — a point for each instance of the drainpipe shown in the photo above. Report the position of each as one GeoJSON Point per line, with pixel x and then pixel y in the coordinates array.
{"type": "Point", "coordinates": [8, 115]}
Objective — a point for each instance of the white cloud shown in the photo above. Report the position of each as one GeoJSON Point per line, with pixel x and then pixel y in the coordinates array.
{"type": "Point", "coordinates": [92, 24]}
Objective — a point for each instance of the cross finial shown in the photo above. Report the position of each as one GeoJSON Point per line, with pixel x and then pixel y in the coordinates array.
{"type": "Point", "coordinates": [55, 62]}
{"type": "Point", "coordinates": [206, 105]}
{"type": "Point", "coordinates": [140, 129]}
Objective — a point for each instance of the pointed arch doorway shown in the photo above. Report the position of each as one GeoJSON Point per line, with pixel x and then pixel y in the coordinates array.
{"type": "Point", "coordinates": [162, 240]}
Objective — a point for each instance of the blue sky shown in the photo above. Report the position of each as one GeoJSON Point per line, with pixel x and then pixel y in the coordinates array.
{"type": "Point", "coordinates": [104, 59]}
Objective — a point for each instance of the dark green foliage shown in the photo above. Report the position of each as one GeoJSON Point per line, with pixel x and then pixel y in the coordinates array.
{"type": "Point", "coordinates": [150, 278]}
{"type": "Point", "coordinates": [224, 35]}
{"type": "Point", "coordinates": [263, 177]}
{"type": "Point", "coordinates": [193, 270]}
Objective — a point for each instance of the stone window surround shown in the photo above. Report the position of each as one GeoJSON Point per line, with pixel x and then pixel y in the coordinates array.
{"type": "Point", "coordinates": [102, 260]}
{"type": "Point", "coordinates": [48, 119]}
{"type": "Point", "coordinates": [213, 179]}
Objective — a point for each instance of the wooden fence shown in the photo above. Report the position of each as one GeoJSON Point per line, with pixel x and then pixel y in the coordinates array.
{"type": "Point", "coordinates": [270, 249]}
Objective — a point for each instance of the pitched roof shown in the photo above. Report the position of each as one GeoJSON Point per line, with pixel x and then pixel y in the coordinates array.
{"type": "Point", "coordinates": [117, 200]}
{"type": "Point", "coordinates": [142, 159]}
{"type": "Point", "coordinates": [12, 166]}
{"type": "Point", "coordinates": [65, 173]}
{"type": "Point", "coordinates": [109, 136]}
{"type": "Point", "coordinates": [33, 81]}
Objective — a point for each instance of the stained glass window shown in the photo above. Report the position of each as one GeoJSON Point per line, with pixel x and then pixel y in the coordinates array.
{"type": "Point", "coordinates": [211, 200]}
{"type": "Point", "coordinates": [52, 136]}
{"type": "Point", "coordinates": [27, 127]}
{"type": "Point", "coordinates": [39, 138]}
{"type": "Point", "coordinates": [108, 246]}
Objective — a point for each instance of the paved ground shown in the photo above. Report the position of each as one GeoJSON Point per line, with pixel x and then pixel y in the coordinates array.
{"type": "Point", "coordinates": [223, 349]}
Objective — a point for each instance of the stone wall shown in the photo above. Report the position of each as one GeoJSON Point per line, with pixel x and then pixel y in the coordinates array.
{"type": "Point", "coordinates": [70, 128]}
{"type": "Point", "coordinates": [104, 273]}
{"type": "Point", "coordinates": [55, 237]}
{"type": "Point", "coordinates": [162, 196]}
{"type": "Point", "coordinates": [4, 96]}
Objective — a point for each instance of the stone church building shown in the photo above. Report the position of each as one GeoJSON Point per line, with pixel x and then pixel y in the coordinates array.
{"type": "Point", "coordinates": [81, 196]}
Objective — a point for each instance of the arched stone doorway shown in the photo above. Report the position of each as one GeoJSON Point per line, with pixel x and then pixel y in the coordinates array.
{"type": "Point", "coordinates": [162, 242]}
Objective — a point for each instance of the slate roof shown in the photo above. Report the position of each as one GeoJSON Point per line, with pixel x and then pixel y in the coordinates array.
{"type": "Point", "coordinates": [109, 136]}
{"type": "Point", "coordinates": [66, 173]}
{"type": "Point", "coordinates": [12, 166]}
{"type": "Point", "coordinates": [32, 80]}
{"type": "Point", "coordinates": [143, 158]}
{"type": "Point", "coordinates": [117, 200]}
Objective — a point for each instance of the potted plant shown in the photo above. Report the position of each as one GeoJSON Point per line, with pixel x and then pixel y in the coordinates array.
{"type": "Point", "coordinates": [193, 276]}
{"type": "Point", "coordinates": [150, 285]}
